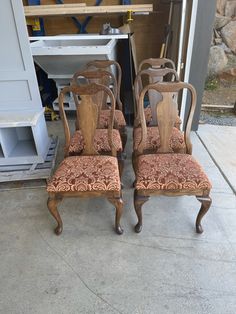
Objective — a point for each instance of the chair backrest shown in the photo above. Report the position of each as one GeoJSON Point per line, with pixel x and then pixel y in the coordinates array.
{"type": "Point", "coordinates": [156, 63]}
{"type": "Point", "coordinates": [166, 114]}
{"type": "Point", "coordinates": [107, 64]}
{"type": "Point", "coordinates": [87, 115]}
{"type": "Point", "coordinates": [100, 77]}
{"type": "Point", "coordinates": [153, 76]}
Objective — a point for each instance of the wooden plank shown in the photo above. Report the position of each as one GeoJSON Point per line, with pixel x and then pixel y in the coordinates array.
{"type": "Point", "coordinates": [68, 10]}
{"type": "Point", "coordinates": [53, 6]}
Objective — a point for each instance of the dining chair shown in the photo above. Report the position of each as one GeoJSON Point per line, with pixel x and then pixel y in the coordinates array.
{"type": "Point", "coordinates": [166, 172]}
{"type": "Point", "coordinates": [153, 141]}
{"type": "Point", "coordinates": [89, 174]}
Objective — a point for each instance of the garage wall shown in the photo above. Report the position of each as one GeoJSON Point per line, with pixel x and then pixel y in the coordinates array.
{"type": "Point", "coordinates": [149, 30]}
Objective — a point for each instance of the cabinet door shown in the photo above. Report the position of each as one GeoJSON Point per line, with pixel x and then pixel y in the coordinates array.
{"type": "Point", "coordinates": [18, 83]}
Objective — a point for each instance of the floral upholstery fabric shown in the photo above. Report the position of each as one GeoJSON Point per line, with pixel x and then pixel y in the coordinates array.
{"type": "Point", "coordinates": [170, 172]}
{"type": "Point", "coordinates": [101, 143]}
{"type": "Point", "coordinates": [148, 114]}
{"type": "Point", "coordinates": [105, 115]}
{"type": "Point", "coordinates": [86, 173]}
{"type": "Point", "coordinates": [148, 117]}
{"type": "Point", "coordinates": [153, 139]}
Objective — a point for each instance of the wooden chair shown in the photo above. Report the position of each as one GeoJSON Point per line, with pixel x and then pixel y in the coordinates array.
{"type": "Point", "coordinates": [153, 142]}
{"type": "Point", "coordinates": [165, 172]}
{"type": "Point", "coordinates": [119, 116]}
{"type": "Point", "coordinates": [90, 174]}
{"type": "Point", "coordinates": [151, 76]}
{"type": "Point", "coordinates": [157, 64]}
{"type": "Point", "coordinates": [102, 77]}
{"type": "Point", "coordinates": [100, 138]}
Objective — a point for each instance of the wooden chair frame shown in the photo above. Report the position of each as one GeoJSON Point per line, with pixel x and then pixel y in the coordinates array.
{"type": "Point", "coordinates": [99, 77]}
{"type": "Point", "coordinates": [89, 111]}
{"type": "Point", "coordinates": [167, 107]}
{"type": "Point", "coordinates": [152, 75]}
{"type": "Point", "coordinates": [157, 63]}
{"type": "Point", "coordinates": [106, 64]}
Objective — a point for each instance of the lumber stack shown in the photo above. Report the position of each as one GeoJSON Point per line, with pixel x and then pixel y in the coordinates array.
{"type": "Point", "coordinates": [82, 9]}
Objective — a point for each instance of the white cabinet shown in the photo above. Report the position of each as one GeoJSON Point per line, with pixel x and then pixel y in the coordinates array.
{"type": "Point", "coordinates": [23, 133]}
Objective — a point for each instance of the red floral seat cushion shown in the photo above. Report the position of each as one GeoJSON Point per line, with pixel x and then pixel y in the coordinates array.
{"type": "Point", "coordinates": [177, 142]}
{"type": "Point", "coordinates": [148, 117]}
{"type": "Point", "coordinates": [148, 114]}
{"type": "Point", "coordinates": [170, 172]}
{"type": "Point", "coordinates": [86, 173]}
{"type": "Point", "coordinates": [105, 116]}
{"type": "Point", "coordinates": [101, 143]}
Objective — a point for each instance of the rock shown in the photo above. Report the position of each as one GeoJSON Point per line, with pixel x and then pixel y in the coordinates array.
{"type": "Point", "coordinates": [218, 41]}
{"type": "Point", "coordinates": [228, 75]}
{"type": "Point", "coordinates": [226, 48]}
{"type": "Point", "coordinates": [228, 33]}
{"type": "Point", "coordinates": [230, 9]}
{"type": "Point", "coordinates": [221, 21]}
{"type": "Point", "coordinates": [220, 6]}
{"type": "Point", "coordinates": [217, 60]}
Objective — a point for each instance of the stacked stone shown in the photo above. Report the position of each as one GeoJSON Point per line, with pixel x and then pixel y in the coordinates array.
{"type": "Point", "coordinates": [222, 58]}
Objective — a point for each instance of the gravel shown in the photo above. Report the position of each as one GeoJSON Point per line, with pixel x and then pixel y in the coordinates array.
{"type": "Point", "coordinates": [217, 118]}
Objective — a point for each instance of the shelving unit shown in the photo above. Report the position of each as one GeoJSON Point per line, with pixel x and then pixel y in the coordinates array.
{"type": "Point", "coordinates": [23, 132]}
{"type": "Point", "coordinates": [21, 141]}
{"type": "Point", "coordinates": [82, 9]}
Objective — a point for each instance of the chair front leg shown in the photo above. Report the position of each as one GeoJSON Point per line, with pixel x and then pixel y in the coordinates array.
{"type": "Point", "coordinates": [120, 158]}
{"type": "Point", "coordinates": [52, 203]}
{"type": "Point", "coordinates": [123, 135]}
{"type": "Point", "coordinates": [118, 203]}
{"type": "Point", "coordinates": [206, 203]}
{"type": "Point", "coordinates": [139, 200]}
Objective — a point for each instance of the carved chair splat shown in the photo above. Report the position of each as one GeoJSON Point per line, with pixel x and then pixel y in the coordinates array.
{"type": "Point", "coordinates": [152, 75]}
{"type": "Point", "coordinates": [119, 116]}
{"type": "Point", "coordinates": [101, 140]}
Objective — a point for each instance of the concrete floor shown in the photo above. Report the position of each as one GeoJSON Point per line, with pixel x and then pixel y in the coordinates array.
{"type": "Point", "coordinates": [220, 141]}
{"type": "Point", "coordinates": [167, 268]}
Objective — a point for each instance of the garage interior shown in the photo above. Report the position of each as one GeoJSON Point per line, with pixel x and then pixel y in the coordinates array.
{"type": "Point", "coordinates": [168, 267]}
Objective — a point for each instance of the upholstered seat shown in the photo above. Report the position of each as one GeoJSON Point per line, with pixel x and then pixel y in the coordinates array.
{"type": "Point", "coordinates": [177, 142]}
{"type": "Point", "coordinates": [148, 117]}
{"type": "Point", "coordinates": [86, 173]}
{"type": "Point", "coordinates": [148, 114]}
{"type": "Point", "coordinates": [105, 116]}
{"type": "Point", "coordinates": [170, 172]}
{"type": "Point", "coordinates": [101, 143]}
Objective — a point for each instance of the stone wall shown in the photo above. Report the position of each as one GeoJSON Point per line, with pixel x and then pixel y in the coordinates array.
{"type": "Point", "coordinates": [222, 58]}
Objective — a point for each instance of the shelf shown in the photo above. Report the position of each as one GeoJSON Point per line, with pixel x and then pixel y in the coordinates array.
{"type": "Point", "coordinates": [78, 37]}
{"type": "Point", "coordinates": [24, 149]}
{"type": "Point", "coordinates": [18, 141]}
{"type": "Point", "coordinates": [19, 118]}
{"type": "Point", "coordinates": [70, 10]}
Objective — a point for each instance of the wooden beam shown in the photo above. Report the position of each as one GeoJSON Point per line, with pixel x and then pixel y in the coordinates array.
{"type": "Point", "coordinates": [78, 9]}
{"type": "Point", "coordinates": [52, 6]}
